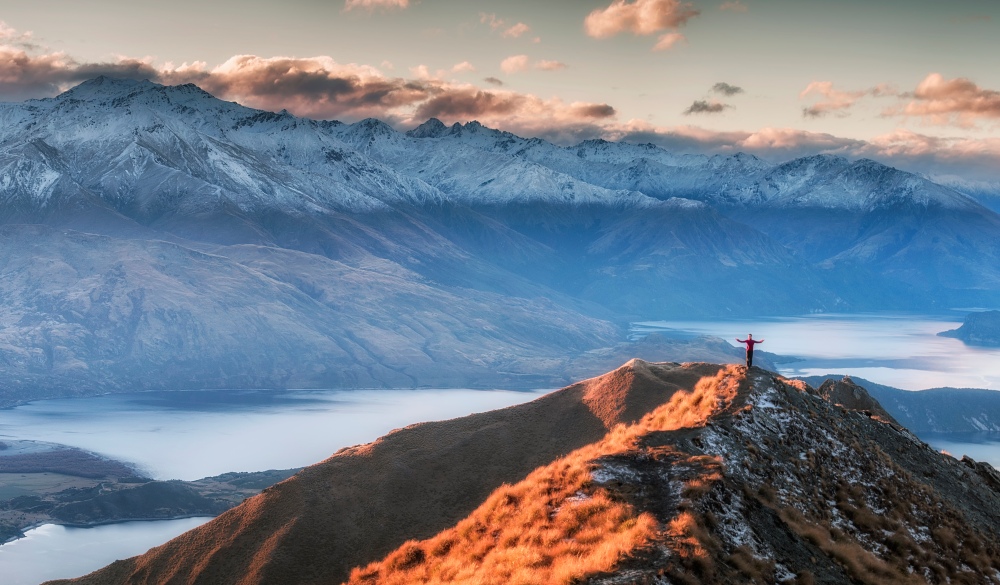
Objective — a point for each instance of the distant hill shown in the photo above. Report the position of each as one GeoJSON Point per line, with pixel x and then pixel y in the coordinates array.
{"type": "Point", "coordinates": [938, 410]}
{"type": "Point", "coordinates": [979, 328]}
{"type": "Point", "coordinates": [693, 473]}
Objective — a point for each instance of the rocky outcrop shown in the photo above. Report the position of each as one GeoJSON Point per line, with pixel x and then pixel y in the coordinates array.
{"type": "Point", "coordinates": [652, 473]}
{"type": "Point", "coordinates": [851, 396]}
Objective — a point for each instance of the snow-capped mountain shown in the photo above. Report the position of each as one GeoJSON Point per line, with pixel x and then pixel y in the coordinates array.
{"type": "Point", "coordinates": [147, 226]}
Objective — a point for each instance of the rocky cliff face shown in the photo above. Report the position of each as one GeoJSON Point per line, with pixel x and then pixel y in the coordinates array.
{"type": "Point", "coordinates": [653, 473]}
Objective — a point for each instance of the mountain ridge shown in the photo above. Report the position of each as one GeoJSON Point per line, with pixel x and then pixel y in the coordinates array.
{"type": "Point", "coordinates": [706, 472]}
{"type": "Point", "coordinates": [489, 224]}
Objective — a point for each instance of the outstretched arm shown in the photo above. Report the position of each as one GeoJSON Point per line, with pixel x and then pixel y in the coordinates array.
{"type": "Point", "coordinates": [741, 340]}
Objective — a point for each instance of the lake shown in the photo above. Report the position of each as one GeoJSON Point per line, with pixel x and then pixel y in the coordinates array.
{"type": "Point", "coordinates": [57, 552]}
{"type": "Point", "coordinates": [190, 435]}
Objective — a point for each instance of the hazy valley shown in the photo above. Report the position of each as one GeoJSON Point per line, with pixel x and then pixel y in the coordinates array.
{"type": "Point", "coordinates": [188, 242]}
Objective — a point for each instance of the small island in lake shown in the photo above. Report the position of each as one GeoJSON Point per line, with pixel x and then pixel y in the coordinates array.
{"type": "Point", "coordinates": [982, 328]}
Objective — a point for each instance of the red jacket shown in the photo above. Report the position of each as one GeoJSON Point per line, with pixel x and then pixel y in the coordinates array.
{"type": "Point", "coordinates": [750, 341]}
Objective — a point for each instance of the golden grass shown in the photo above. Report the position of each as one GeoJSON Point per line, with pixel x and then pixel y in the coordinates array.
{"type": "Point", "coordinates": [556, 526]}
{"type": "Point", "coordinates": [694, 408]}
{"type": "Point", "coordinates": [553, 527]}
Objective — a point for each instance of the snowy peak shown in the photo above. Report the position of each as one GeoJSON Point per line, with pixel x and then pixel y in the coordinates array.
{"type": "Point", "coordinates": [102, 88]}
{"type": "Point", "coordinates": [834, 182]}
{"type": "Point", "coordinates": [432, 128]}
{"type": "Point", "coordinates": [120, 93]}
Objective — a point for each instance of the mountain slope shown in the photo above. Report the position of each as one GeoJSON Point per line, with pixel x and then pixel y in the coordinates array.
{"type": "Point", "coordinates": [491, 259]}
{"type": "Point", "coordinates": [83, 313]}
{"type": "Point", "coordinates": [717, 475]}
{"type": "Point", "coordinates": [907, 240]}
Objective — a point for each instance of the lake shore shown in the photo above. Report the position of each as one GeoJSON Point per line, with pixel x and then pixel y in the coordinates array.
{"type": "Point", "coordinates": [46, 483]}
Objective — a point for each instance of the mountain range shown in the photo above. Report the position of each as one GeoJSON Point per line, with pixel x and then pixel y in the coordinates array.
{"type": "Point", "coordinates": [651, 473]}
{"type": "Point", "coordinates": [155, 236]}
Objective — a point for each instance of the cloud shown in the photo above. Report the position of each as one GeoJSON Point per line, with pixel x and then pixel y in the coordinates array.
{"type": "Point", "coordinates": [492, 20]}
{"type": "Point", "coordinates": [775, 144]}
{"type": "Point", "coordinates": [545, 65]}
{"type": "Point", "coordinates": [706, 107]}
{"type": "Point", "coordinates": [726, 89]}
{"type": "Point", "coordinates": [641, 17]}
{"type": "Point", "coordinates": [515, 31]}
{"type": "Point", "coordinates": [509, 32]}
{"type": "Point", "coordinates": [944, 101]}
{"type": "Point", "coordinates": [12, 37]}
{"type": "Point", "coordinates": [668, 40]}
{"type": "Point", "coordinates": [517, 63]}
{"type": "Point", "coordinates": [592, 110]}
{"type": "Point", "coordinates": [420, 72]}
{"type": "Point", "coordinates": [734, 6]}
{"type": "Point", "coordinates": [510, 110]}
{"type": "Point", "coordinates": [319, 87]}
{"type": "Point", "coordinates": [514, 63]}
{"type": "Point", "coordinates": [371, 5]}
{"type": "Point", "coordinates": [837, 102]}
{"type": "Point", "coordinates": [463, 67]}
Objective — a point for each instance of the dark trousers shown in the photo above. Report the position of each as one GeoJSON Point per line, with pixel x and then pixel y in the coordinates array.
{"type": "Point", "coordinates": [749, 357]}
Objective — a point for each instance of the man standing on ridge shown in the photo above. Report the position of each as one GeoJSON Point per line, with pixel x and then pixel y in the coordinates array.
{"type": "Point", "coordinates": [750, 341]}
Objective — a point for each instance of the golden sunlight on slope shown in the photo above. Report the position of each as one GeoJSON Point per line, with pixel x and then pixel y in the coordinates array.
{"type": "Point", "coordinates": [557, 526]}
{"type": "Point", "coordinates": [364, 502]}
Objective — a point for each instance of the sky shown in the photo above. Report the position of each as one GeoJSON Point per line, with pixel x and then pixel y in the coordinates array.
{"type": "Point", "coordinates": [913, 83]}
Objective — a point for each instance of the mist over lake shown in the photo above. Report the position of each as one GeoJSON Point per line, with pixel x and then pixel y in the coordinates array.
{"type": "Point", "coordinates": [895, 349]}
{"type": "Point", "coordinates": [190, 435]}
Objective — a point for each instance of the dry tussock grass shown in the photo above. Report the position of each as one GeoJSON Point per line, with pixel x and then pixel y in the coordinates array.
{"type": "Point", "coordinates": [692, 409]}
{"type": "Point", "coordinates": [550, 528]}
{"type": "Point", "coordinates": [556, 526]}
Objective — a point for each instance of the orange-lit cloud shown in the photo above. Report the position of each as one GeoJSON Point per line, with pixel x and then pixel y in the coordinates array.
{"type": "Point", "coordinates": [517, 63]}
{"type": "Point", "coordinates": [375, 4]}
{"type": "Point", "coordinates": [545, 65]}
{"type": "Point", "coordinates": [767, 142]}
{"type": "Point", "coordinates": [835, 101]}
{"type": "Point", "coordinates": [641, 17]}
{"type": "Point", "coordinates": [514, 63]}
{"type": "Point", "coordinates": [463, 67]}
{"type": "Point", "coordinates": [510, 32]}
{"type": "Point", "coordinates": [942, 101]}
{"type": "Point", "coordinates": [516, 31]}
{"type": "Point", "coordinates": [492, 20]}
{"type": "Point", "coordinates": [970, 157]}
{"type": "Point", "coordinates": [11, 36]}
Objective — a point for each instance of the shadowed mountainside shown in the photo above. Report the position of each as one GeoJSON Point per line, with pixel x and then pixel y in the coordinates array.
{"type": "Point", "coordinates": [689, 473]}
